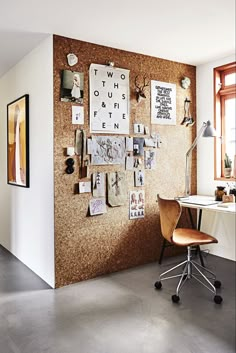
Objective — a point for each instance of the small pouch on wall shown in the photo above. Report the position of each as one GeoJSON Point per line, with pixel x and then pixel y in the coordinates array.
{"type": "Point", "coordinates": [117, 194]}
{"type": "Point", "coordinates": [78, 142]}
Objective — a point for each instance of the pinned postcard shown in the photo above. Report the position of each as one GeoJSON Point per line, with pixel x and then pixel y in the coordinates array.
{"type": "Point", "coordinates": [97, 206]}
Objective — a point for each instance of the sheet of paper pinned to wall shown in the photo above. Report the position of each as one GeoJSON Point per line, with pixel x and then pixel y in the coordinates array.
{"type": "Point", "coordinates": [129, 144]}
{"type": "Point", "coordinates": [84, 186]}
{"type": "Point", "coordinates": [150, 159]}
{"type": "Point", "coordinates": [138, 143]}
{"type": "Point", "coordinates": [98, 180]}
{"type": "Point", "coordinates": [108, 150]}
{"type": "Point", "coordinates": [163, 103]}
{"type": "Point", "coordinates": [139, 177]}
{"type": "Point", "coordinates": [97, 206]}
{"type": "Point", "coordinates": [109, 99]}
{"type": "Point", "coordinates": [77, 114]}
{"type": "Point", "coordinates": [136, 204]}
{"type": "Point", "coordinates": [117, 191]}
{"type": "Point", "coordinates": [129, 163]}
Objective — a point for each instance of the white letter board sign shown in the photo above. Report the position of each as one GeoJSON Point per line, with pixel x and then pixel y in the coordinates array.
{"type": "Point", "coordinates": [109, 99]}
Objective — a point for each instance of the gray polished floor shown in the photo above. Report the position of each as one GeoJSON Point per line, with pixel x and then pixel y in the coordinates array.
{"type": "Point", "coordinates": [119, 313]}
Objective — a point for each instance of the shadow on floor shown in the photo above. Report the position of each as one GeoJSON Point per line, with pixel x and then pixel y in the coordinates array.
{"type": "Point", "coordinates": [17, 277]}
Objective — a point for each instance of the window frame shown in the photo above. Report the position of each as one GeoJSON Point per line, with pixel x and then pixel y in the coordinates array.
{"type": "Point", "coordinates": [221, 94]}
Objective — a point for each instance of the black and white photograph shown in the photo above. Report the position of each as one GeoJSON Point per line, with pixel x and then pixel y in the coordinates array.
{"type": "Point", "coordinates": [139, 178]}
{"type": "Point", "coordinates": [72, 86]}
{"type": "Point", "coordinates": [138, 143]}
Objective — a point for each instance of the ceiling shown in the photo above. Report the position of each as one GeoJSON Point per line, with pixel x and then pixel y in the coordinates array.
{"type": "Point", "coordinates": [193, 32]}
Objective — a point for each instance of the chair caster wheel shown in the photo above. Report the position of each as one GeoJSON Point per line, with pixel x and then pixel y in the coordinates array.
{"type": "Point", "coordinates": [175, 298]}
{"type": "Point", "coordinates": [217, 284]}
{"type": "Point", "coordinates": [218, 299]}
{"type": "Point", "coordinates": [158, 285]}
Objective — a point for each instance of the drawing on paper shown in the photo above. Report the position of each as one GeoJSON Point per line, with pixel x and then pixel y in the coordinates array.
{"type": "Point", "coordinates": [108, 150]}
{"type": "Point", "coordinates": [139, 178]}
{"type": "Point", "coordinates": [116, 189]}
{"type": "Point", "coordinates": [149, 159]}
{"type": "Point", "coordinates": [97, 206]}
{"type": "Point", "coordinates": [136, 204]}
{"type": "Point", "coordinates": [98, 184]}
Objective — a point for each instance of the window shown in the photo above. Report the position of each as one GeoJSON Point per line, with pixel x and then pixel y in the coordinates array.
{"type": "Point", "coordinates": [225, 102]}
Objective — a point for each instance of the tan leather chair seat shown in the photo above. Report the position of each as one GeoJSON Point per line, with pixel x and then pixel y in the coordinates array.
{"type": "Point", "coordinates": [187, 237]}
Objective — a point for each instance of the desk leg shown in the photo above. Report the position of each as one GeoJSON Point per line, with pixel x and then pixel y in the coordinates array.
{"type": "Point", "coordinates": [198, 228]}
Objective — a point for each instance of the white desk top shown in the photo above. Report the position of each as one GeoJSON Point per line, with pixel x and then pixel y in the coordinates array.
{"type": "Point", "coordinates": [207, 203]}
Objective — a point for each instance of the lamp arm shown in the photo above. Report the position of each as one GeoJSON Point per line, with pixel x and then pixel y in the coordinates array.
{"type": "Point", "coordinates": [196, 139]}
{"type": "Point", "coordinates": [187, 176]}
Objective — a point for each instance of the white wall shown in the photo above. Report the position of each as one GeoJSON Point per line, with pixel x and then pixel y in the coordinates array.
{"type": "Point", "coordinates": [212, 223]}
{"type": "Point", "coordinates": [27, 215]}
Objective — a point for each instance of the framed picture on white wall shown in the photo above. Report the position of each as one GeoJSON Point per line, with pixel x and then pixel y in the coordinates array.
{"type": "Point", "coordinates": [18, 142]}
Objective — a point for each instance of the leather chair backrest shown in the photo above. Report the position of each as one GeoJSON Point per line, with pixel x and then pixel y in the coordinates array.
{"type": "Point", "coordinates": [170, 211]}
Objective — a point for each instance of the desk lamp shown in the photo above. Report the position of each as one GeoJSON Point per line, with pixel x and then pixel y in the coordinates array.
{"type": "Point", "coordinates": [206, 130]}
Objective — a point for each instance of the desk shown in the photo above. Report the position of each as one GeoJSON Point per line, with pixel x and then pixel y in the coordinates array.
{"type": "Point", "coordinates": [206, 203]}
{"type": "Point", "coordinates": [202, 203]}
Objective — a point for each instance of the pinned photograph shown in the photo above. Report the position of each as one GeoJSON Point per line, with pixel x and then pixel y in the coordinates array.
{"type": "Point", "coordinates": [136, 204]}
{"type": "Point", "coordinates": [138, 143]}
{"type": "Point", "coordinates": [150, 159]}
{"type": "Point", "coordinates": [129, 163]}
{"type": "Point", "coordinates": [72, 86]}
{"type": "Point", "coordinates": [138, 178]}
{"type": "Point", "coordinates": [77, 114]}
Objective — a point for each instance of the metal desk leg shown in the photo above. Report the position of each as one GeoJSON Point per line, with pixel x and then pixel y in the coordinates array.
{"type": "Point", "coordinates": [198, 228]}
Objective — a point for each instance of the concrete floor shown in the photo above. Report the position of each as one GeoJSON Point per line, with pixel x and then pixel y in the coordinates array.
{"type": "Point", "coordinates": [119, 313]}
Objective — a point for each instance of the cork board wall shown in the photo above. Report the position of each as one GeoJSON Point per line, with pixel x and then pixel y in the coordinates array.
{"type": "Point", "coordinates": [86, 246]}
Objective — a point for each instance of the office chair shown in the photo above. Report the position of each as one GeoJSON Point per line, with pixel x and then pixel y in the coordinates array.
{"type": "Point", "coordinates": [170, 211]}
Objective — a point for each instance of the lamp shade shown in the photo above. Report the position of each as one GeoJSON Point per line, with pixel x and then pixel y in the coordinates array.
{"type": "Point", "coordinates": [209, 130]}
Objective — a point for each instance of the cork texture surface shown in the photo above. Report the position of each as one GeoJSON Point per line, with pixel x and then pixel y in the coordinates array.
{"type": "Point", "coordinates": [85, 246]}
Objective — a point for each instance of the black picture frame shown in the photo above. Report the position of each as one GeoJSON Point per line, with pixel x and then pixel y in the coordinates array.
{"type": "Point", "coordinates": [18, 142]}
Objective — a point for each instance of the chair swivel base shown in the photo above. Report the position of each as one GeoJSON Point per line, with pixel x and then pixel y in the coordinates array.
{"type": "Point", "coordinates": [188, 274]}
